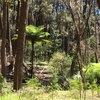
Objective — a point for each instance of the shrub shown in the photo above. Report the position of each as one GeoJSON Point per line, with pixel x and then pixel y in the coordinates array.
{"type": "Point", "coordinates": [2, 82]}
{"type": "Point", "coordinates": [93, 73]}
{"type": "Point", "coordinates": [54, 82]}
{"type": "Point", "coordinates": [61, 63]}
{"type": "Point", "coordinates": [34, 82]}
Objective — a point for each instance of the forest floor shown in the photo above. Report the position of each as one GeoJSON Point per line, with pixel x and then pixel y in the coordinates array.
{"type": "Point", "coordinates": [34, 93]}
{"type": "Point", "coordinates": [31, 93]}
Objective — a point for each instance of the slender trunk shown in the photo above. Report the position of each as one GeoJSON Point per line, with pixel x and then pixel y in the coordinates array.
{"type": "Point", "coordinates": [66, 44]}
{"type": "Point", "coordinates": [8, 33]}
{"type": "Point", "coordinates": [73, 65]}
{"type": "Point", "coordinates": [39, 19]}
{"type": "Point", "coordinates": [79, 56]}
{"type": "Point", "coordinates": [95, 27]}
{"type": "Point", "coordinates": [32, 69]}
{"type": "Point", "coordinates": [0, 23]}
{"type": "Point", "coordinates": [9, 44]}
{"type": "Point", "coordinates": [84, 7]}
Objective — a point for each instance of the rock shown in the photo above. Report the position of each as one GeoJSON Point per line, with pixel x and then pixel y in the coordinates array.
{"type": "Point", "coordinates": [44, 76]}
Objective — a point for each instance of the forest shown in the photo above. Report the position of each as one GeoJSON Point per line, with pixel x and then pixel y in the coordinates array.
{"type": "Point", "coordinates": [49, 49]}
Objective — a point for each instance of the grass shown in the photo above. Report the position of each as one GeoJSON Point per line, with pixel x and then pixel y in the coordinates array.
{"type": "Point", "coordinates": [34, 93]}
{"type": "Point", "coordinates": [38, 95]}
{"type": "Point", "coordinates": [30, 93]}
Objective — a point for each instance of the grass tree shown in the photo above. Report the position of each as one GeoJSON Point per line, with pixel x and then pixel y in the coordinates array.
{"type": "Point", "coordinates": [35, 34]}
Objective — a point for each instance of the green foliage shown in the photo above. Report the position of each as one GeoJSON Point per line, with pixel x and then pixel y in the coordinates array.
{"type": "Point", "coordinates": [34, 82]}
{"type": "Point", "coordinates": [2, 82]}
{"type": "Point", "coordinates": [93, 72]}
{"type": "Point", "coordinates": [40, 50]}
{"type": "Point", "coordinates": [61, 63]}
{"type": "Point", "coordinates": [55, 38]}
{"type": "Point", "coordinates": [36, 33]}
{"type": "Point", "coordinates": [27, 51]}
{"type": "Point", "coordinates": [92, 58]}
{"type": "Point", "coordinates": [15, 37]}
{"type": "Point", "coordinates": [93, 85]}
{"type": "Point", "coordinates": [76, 84]}
{"type": "Point", "coordinates": [54, 82]}
{"type": "Point", "coordinates": [93, 41]}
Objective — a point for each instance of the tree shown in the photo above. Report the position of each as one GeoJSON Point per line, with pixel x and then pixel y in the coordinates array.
{"type": "Point", "coordinates": [3, 45]}
{"type": "Point", "coordinates": [98, 2]}
{"type": "Point", "coordinates": [80, 24]}
{"type": "Point", "coordinates": [20, 46]}
{"type": "Point", "coordinates": [35, 34]}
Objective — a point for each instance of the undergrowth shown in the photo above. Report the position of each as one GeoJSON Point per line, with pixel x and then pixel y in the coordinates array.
{"type": "Point", "coordinates": [33, 93]}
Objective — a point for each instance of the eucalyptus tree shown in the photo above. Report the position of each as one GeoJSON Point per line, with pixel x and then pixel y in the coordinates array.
{"type": "Point", "coordinates": [80, 23]}
{"type": "Point", "coordinates": [0, 18]}
{"type": "Point", "coordinates": [39, 12]}
{"type": "Point", "coordinates": [20, 45]}
{"type": "Point", "coordinates": [9, 24]}
{"type": "Point", "coordinates": [95, 25]}
{"type": "Point", "coordinates": [4, 33]}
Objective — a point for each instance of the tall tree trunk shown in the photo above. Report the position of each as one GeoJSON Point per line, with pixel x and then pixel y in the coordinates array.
{"type": "Point", "coordinates": [39, 20]}
{"type": "Point", "coordinates": [98, 2]}
{"type": "Point", "coordinates": [73, 64]}
{"type": "Point", "coordinates": [79, 56]}
{"type": "Point", "coordinates": [66, 44]}
{"type": "Point", "coordinates": [20, 46]}
{"type": "Point", "coordinates": [14, 43]}
{"type": "Point", "coordinates": [3, 45]}
{"type": "Point", "coordinates": [96, 35]}
{"type": "Point", "coordinates": [8, 43]}
{"type": "Point", "coordinates": [0, 20]}
{"type": "Point", "coordinates": [8, 32]}
{"type": "Point", "coordinates": [32, 69]}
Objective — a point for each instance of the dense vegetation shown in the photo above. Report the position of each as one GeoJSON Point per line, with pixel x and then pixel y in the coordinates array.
{"type": "Point", "coordinates": [48, 47]}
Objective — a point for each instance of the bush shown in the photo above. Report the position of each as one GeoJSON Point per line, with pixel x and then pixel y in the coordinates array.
{"type": "Point", "coordinates": [76, 84]}
{"type": "Point", "coordinates": [60, 61]}
{"type": "Point", "coordinates": [54, 82]}
{"type": "Point", "coordinates": [93, 73]}
{"type": "Point", "coordinates": [34, 82]}
{"type": "Point", "coordinates": [60, 64]}
{"type": "Point", "coordinates": [2, 82]}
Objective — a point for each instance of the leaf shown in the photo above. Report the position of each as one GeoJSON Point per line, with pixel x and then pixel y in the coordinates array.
{"type": "Point", "coordinates": [47, 41]}
{"type": "Point", "coordinates": [31, 30]}
{"type": "Point", "coordinates": [38, 43]}
{"type": "Point", "coordinates": [29, 42]}
{"type": "Point", "coordinates": [35, 34]}
{"type": "Point", "coordinates": [15, 37]}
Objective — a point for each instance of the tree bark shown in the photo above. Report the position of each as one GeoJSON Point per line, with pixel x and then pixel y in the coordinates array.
{"type": "Point", "coordinates": [79, 56]}
{"type": "Point", "coordinates": [14, 43]}
{"type": "Point", "coordinates": [0, 23]}
{"type": "Point", "coordinates": [3, 45]}
{"type": "Point", "coordinates": [32, 69]}
{"type": "Point", "coordinates": [20, 46]}
{"type": "Point", "coordinates": [98, 2]}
